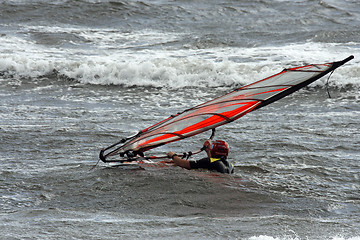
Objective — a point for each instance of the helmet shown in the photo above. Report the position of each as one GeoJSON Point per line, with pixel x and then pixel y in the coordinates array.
{"type": "Point", "coordinates": [219, 148]}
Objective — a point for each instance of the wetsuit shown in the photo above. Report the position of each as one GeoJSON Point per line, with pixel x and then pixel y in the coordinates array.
{"type": "Point", "coordinates": [218, 164]}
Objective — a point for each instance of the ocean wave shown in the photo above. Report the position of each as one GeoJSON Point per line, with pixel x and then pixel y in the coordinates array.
{"type": "Point", "coordinates": [106, 56]}
{"type": "Point", "coordinates": [175, 72]}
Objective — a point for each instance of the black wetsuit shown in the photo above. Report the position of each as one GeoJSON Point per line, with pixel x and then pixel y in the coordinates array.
{"type": "Point", "coordinates": [217, 164]}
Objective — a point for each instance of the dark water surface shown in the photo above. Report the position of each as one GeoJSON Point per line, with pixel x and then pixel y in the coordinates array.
{"type": "Point", "coordinates": [76, 76]}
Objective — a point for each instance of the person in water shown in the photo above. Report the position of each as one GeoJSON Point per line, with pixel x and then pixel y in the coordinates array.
{"type": "Point", "coordinates": [216, 159]}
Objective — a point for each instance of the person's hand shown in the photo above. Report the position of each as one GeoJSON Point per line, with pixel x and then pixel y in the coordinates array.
{"type": "Point", "coordinates": [207, 144]}
{"type": "Point", "coordinates": [206, 147]}
{"type": "Point", "coordinates": [170, 154]}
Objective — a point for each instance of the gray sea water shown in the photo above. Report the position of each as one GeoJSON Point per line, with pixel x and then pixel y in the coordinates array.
{"type": "Point", "coordinates": [76, 76]}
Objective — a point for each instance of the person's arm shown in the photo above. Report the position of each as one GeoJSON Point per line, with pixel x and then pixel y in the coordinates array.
{"type": "Point", "coordinates": [206, 147]}
{"type": "Point", "coordinates": [179, 161]}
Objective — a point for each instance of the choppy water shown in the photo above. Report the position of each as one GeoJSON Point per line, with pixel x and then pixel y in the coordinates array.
{"type": "Point", "coordinates": [76, 76]}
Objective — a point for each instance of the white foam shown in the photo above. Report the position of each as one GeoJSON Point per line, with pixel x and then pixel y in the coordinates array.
{"type": "Point", "coordinates": [107, 56]}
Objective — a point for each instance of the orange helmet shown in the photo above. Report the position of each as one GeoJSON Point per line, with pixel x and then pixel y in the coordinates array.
{"type": "Point", "coordinates": [219, 148]}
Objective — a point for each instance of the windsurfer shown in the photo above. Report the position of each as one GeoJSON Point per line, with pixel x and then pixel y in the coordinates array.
{"type": "Point", "coordinates": [216, 159]}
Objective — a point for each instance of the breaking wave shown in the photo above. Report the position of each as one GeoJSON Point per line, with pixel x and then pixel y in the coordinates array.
{"type": "Point", "coordinates": [176, 69]}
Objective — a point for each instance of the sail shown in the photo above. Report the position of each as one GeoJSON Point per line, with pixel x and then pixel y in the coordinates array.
{"type": "Point", "coordinates": [222, 110]}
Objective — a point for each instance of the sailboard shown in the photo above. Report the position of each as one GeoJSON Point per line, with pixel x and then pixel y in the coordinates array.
{"type": "Point", "coordinates": [217, 112]}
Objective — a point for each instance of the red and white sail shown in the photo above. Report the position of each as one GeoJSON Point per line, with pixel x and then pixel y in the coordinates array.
{"type": "Point", "coordinates": [224, 109]}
